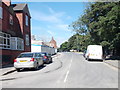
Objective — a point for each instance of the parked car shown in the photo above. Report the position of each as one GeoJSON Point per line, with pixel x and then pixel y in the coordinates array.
{"type": "Point", "coordinates": [28, 60]}
{"type": "Point", "coordinates": [46, 57]}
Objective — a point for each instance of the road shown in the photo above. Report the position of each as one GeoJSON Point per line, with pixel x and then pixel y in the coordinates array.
{"type": "Point", "coordinates": [68, 70]}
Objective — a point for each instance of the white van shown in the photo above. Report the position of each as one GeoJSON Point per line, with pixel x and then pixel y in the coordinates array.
{"type": "Point", "coordinates": [94, 52]}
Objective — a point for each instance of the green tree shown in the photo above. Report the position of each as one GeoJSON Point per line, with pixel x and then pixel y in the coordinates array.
{"type": "Point", "coordinates": [64, 46]}
{"type": "Point", "coordinates": [76, 42]}
{"type": "Point", "coordinates": [100, 24]}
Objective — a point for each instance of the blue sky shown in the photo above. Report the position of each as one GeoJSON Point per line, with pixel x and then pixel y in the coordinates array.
{"type": "Point", "coordinates": [51, 19]}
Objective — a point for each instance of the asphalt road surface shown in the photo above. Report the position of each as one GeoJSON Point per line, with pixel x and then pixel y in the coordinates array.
{"type": "Point", "coordinates": [68, 70]}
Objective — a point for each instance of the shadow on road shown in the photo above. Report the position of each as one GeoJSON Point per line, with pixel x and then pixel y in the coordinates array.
{"type": "Point", "coordinates": [95, 60]}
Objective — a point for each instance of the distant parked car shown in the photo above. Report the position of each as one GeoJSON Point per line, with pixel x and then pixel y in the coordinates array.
{"type": "Point", "coordinates": [28, 60]}
{"type": "Point", "coordinates": [46, 57]}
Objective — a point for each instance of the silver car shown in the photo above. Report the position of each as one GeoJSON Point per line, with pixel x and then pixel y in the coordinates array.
{"type": "Point", "coordinates": [28, 60]}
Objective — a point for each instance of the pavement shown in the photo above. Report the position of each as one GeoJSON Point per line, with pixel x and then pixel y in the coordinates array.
{"type": "Point", "coordinates": [7, 70]}
{"type": "Point", "coordinates": [114, 63]}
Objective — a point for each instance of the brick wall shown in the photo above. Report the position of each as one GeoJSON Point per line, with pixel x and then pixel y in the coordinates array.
{"type": "Point", "coordinates": [18, 29]}
{"type": "Point", "coordinates": [8, 56]}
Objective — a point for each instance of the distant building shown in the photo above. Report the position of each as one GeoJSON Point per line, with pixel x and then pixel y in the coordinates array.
{"type": "Point", "coordinates": [15, 32]}
{"type": "Point", "coordinates": [41, 46]}
{"type": "Point", "coordinates": [53, 43]}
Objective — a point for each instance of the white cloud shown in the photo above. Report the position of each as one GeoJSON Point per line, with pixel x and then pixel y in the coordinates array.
{"type": "Point", "coordinates": [51, 33]}
{"type": "Point", "coordinates": [55, 22]}
{"type": "Point", "coordinates": [60, 40]}
{"type": "Point", "coordinates": [63, 27]}
{"type": "Point", "coordinates": [51, 10]}
{"type": "Point", "coordinates": [52, 17]}
{"type": "Point", "coordinates": [69, 17]}
{"type": "Point", "coordinates": [44, 38]}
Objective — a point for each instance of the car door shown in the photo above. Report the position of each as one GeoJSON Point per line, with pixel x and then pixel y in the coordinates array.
{"type": "Point", "coordinates": [49, 56]}
{"type": "Point", "coordinates": [40, 59]}
{"type": "Point", "coordinates": [37, 58]}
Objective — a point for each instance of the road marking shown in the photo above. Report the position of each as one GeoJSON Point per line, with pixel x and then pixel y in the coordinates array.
{"type": "Point", "coordinates": [68, 70]}
{"type": "Point", "coordinates": [66, 76]}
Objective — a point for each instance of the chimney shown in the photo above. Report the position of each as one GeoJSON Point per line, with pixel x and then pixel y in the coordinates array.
{"type": "Point", "coordinates": [7, 2]}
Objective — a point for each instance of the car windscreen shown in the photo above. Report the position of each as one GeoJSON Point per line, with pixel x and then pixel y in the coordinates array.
{"type": "Point", "coordinates": [26, 55]}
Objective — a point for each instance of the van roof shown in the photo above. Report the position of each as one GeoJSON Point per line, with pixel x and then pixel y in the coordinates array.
{"type": "Point", "coordinates": [94, 45]}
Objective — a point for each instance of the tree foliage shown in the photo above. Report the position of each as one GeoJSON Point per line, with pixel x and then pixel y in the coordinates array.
{"type": "Point", "coordinates": [64, 46]}
{"type": "Point", "coordinates": [100, 24]}
{"type": "Point", "coordinates": [75, 42]}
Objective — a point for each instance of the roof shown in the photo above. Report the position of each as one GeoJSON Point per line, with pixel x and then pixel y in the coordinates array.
{"type": "Point", "coordinates": [21, 7]}
{"type": "Point", "coordinates": [52, 40]}
{"type": "Point", "coordinates": [18, 6]}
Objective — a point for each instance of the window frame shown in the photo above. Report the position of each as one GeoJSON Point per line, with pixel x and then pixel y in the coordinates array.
{"type": "Point", "coordinates": [11, 19]}
{"type": "Point", "coordinates": [1, 13]}
{"type": "Point", "coordinates": [5, 41]}
{"type": "Point", "coordinates": [26, 20]}
{"type": "Point", "coordinates": [27, 40]}
{"type": "Point", "coordinates": [17, 43]}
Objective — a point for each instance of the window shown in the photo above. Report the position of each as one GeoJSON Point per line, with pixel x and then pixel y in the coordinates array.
{"type": "Point", "coordinates": [25, 55]}
{"type": "Point", "coordinates": [4, 40]}
{"type": "Point", "coordinates": [26, 17]}
{"type": "Point", "coordinates": [39, 55]}
{"type": "Point", "coordinates": [20, 44]}
{"type": "Point", "coordinates": [27, 39]}
{"type": "Point", "coordinates": [17, 43]}
{"type": "Point", "coordinates": [1, 12]}
{"type": "Point", "coordinates": [8, 42]}
{"type": "Point", "coordinates": [11, 19]}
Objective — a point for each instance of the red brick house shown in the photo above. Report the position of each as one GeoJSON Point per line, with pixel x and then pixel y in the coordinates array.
{"type": "Point", "coordinates": [15, 32]}
{"type": "Point", "coordinates": [53, 43]}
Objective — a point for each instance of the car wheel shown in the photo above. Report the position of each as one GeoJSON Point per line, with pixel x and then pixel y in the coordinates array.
{"type": "Point", "coordinates": [37, 67]}
{"type": "Point", "coordinates": [48, 62]}
{"type": "Point", "coordinates": [18, 70]}
{"type": "Point", "coordinates": [42, 65]}
{"type": "Point", "coordinates": [51, 61]}
{"type": "Point", "coordinates": [88, 59]}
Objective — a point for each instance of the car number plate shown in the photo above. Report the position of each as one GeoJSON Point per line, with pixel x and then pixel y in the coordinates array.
{"type": "Point", "coordinates": [23, 60]}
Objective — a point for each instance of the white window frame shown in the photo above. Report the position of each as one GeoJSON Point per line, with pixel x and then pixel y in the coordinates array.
{"type": "Point", "coordinates": [17, 43]}
{"type": "Point", "coordinates": [1, 12]}
{"type": "Point", "coordinates": [27, 40]}
{"type": "Point", "coordinates": [5, 38]}
{"type": "Point", "coordinates": [26, 20]}
{"type": "Point", "coordinates": [11, 19]}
